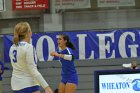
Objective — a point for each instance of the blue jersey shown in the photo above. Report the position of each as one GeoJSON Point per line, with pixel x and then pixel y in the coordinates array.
{"type": "Point", "coordinates": [68, 67]}
{"type": "Point", "coordinates": [2, 69]}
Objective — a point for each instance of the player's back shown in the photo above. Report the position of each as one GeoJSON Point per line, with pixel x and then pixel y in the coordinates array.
{"type": "Point", "coordinates": [21, 61]}
{"type": "Point", "coordinates": [18, 58]}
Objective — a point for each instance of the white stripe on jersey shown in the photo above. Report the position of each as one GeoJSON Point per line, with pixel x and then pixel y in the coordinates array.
{"type": "Point", "coordinates": [68, 50]}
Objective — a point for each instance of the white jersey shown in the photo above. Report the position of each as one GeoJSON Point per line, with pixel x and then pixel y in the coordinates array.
{"type": "Point", "coordinates": [24, 61]}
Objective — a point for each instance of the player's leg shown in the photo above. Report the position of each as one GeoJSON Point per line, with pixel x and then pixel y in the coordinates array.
{"type": "Point", "coordinates": [70, 88]}
{"type": "Point", "coordinates": [61, 88]}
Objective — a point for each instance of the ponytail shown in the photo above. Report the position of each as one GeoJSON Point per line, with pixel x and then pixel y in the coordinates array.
{"type": "Point", "coordinates": [70, 45]}
{"type": "Point", "coordinates": [16, 38]}
{"type": "Point", "coordinates": [20, 31]}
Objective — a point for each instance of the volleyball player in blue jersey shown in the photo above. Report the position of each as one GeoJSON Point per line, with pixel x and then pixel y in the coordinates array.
{"type": "Point", "coordinates": [25, 76]}
{"type": "Point", "coordinates": [69, 75]}
{"type": "Point", "coordinates": [1, 73]}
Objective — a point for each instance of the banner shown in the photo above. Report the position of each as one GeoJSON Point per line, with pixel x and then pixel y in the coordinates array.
{"type": "Point", "coordinates": [115, 3]}
{"type": "Point", "coordinates": [29, 4]}
{"type": "Point", "coordinates": [120, 81]}
{"type": "Point", "coordinates": [89, 44]}
{"type": "Point", "coordinates": [2, 3]}
{"type": "Point", "coordinates": [72, 4]}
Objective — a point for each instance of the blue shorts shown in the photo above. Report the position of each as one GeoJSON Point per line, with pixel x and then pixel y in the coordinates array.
{"type": "Point", "coordinates": [28, 89]}
{"type": "Point", "coordinates": [70, 79]}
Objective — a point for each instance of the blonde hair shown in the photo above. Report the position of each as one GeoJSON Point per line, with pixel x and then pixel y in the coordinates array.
{"type": "Point", "coordinates": [20, 31]}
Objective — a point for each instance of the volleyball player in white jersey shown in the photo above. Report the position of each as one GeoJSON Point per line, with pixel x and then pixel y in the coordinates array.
{"type": "Point", "coordinates": [25, 77]}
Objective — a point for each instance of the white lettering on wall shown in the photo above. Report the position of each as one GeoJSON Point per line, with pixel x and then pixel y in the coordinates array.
{"type": "Point", "coordinates": [81, 45]}
{"type": "Point", "coordinates": [39, 47]}
{"type": "Point", "coordinates": [105, 47]}
{"type": "Point", "coordinates": [133, 48]}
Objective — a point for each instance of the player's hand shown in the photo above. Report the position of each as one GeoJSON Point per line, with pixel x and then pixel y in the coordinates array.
{"type": "Point", "coordinates": [54, 54]}
{"type": "Point", "coordinates": [48, 90]}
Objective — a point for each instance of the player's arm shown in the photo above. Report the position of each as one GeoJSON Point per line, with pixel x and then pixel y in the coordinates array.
{"type": "Point", "coordinates": [65, 56]}
{"type": "Point", "coordinates": [30, 58]}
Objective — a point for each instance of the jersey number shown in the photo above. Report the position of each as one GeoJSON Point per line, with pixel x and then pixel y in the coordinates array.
{"type": "Point", "coordinates": [15, 56]}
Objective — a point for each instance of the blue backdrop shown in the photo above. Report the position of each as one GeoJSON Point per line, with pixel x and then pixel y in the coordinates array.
{"type": "Point", "coordinates": [89, 44]}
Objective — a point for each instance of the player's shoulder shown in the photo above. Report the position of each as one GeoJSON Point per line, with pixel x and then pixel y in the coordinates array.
{"type": "Point", "coordinates": [13, 46]}
{"type": "Point", "coordinates": [22, 45]}
{"type": "Point", "coordinates": [28, 46]}
{"type": "Point", "coordinates": [69, 50]}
